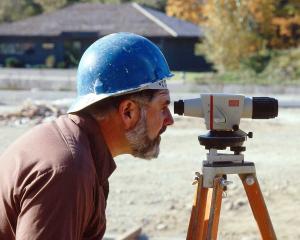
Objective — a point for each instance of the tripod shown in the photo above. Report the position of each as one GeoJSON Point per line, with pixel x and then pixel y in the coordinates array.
{"type": "Point", "coordinates": [211, 184]}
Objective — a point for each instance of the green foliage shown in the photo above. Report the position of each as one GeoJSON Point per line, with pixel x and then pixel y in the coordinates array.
{"type": "Point", "coordinates": [280, 67]}
{"type": "Point", "coordinates": [12, 10]}
{"type": "Point", "coordinates": [32, 9]}
{"type": "Point", "coordinates": [231, 33]}
{"type": "Point", "coordinates": [50, 61]}
{"type": "Point", "coordinates": [284, 65]}
{"type": "Point", "coordinates": [157, 4]}
{"type": "Point", "coordinates": [287, 8]}
{"type": "Point", "coordinates": [51, 5]}
{"type": "Point", "coordinates": [61, 65]}
{"type": "Point", "coordinates": [272, 67]}
{"type": "Point", "coordinates": [257, 62]}
{"type": "Point", "coordinates": [13, 62]}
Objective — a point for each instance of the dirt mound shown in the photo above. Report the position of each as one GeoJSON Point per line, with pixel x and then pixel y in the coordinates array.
{"type": "Point", "coordinates": [32, 113]}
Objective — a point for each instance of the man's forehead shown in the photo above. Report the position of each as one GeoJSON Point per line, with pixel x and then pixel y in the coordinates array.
{"type": "Point", "coordinates": [164, 92]}
{"type": "Point", "coordinates": [163, 95]}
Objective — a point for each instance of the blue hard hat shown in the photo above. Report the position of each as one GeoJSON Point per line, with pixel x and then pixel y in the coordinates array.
{"type": "Point", "coordinates": [119, 64]}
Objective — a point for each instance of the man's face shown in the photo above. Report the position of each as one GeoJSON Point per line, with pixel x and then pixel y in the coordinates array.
{"type": "Point", "coordinates": [144, 139]}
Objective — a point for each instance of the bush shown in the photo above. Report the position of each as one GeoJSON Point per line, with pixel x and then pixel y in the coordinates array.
{"type": "Point", "coordinates": [61, 65]}
{"type": "Point", "coordinates": [280, 67]}
{"type": "Point", "coordinates": [257, 62]}
{"type": "Point", "coordinates": [50, 61]}
{"type": "Point", "coordinates": [284, 65]}
{"type": "Point", "coordinates": [13, 62]}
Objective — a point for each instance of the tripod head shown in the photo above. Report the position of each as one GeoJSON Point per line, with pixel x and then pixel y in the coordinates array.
{"type": "Point", "coordinates": [220, 140]}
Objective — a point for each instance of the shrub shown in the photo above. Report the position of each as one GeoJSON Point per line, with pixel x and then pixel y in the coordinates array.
{"type": "Point", "coordinates": [257, 62]}
{"type": "Point", "coordinates": [13, 62]}
{"type": "Point", "coordinates": [284, 65]}
{"type": "Point", "coordinates": [50, 61]}
{"type": "Point", "coordinates": [61, 65]}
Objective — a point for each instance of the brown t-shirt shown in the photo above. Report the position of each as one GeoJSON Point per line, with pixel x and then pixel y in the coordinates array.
{"type": "Point", "coordinates": [53, 182]}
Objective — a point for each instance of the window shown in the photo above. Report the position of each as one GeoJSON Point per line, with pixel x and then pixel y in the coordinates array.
{"type": "Point", "coordinates": [48, 45]}
{"type": "Point", "coordinates": [16, 48]}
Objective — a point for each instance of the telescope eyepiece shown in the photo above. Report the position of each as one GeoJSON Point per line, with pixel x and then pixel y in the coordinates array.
{"type": "Point", "coordinates": [179, 107]}
{"type": "Point", "coordinates": [264, 107]}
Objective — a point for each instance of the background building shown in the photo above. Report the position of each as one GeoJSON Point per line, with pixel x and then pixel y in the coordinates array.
{"type": "Point", "coordinates": [59, 38]}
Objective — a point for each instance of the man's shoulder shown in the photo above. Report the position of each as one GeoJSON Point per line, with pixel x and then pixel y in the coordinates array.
{"type": "Point", "coordinates": [44, 140]}
{"type": "Point", "coordinates": [56, 145]}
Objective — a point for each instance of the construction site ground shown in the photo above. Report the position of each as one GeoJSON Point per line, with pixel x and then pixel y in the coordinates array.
{"type": "Point", "coordinates": [157, 195]}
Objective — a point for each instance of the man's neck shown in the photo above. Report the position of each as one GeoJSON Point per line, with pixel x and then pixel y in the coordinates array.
{"type": "Point", "coordinates": [114, 136]}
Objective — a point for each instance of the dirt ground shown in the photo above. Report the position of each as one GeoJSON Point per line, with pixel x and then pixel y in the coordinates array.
{"type": "Point", "coordinates": [157, 195]}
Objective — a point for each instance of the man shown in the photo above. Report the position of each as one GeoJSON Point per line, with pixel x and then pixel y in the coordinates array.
{"type": "Point", "coordinates": [54, 179]}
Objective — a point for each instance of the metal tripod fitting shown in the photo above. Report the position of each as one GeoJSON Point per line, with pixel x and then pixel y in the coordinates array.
{"type": "Point", "coordinates": [210, 171]}
{"type": "Point", "coordinates": [196, 179]}
{"type": "Point", "coordinates": [250, 180]}
{"type": "Point", "coordinates": [224, 182]}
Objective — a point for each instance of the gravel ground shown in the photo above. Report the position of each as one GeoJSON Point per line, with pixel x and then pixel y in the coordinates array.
{"type": "Point", "coordinates": [157, 195]}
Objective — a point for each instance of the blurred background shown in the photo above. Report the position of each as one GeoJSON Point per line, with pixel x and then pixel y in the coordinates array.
{"type": "Point", "coordinates": [231, 40]}
{"type": "Point", "coordinates": [233, 46]}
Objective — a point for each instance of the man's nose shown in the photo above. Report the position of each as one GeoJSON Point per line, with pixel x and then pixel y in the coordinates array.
{"type": "Point", "coordinates": [169, 119]}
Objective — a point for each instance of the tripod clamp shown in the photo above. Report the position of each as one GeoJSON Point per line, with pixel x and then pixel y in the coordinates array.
{"type": "Point", "coordinates": [224, 163]}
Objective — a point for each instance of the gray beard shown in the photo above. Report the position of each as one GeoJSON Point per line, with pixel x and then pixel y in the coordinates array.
{"type": "Point", "coordinates": [141, 145]}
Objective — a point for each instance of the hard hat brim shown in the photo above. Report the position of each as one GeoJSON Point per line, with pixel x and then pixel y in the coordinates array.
{"type": "Point", "coordinates": [84, 101]}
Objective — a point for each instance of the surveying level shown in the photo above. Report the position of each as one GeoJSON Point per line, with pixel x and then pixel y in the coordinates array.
{"type": "Point", "coordinates": [222, 113]}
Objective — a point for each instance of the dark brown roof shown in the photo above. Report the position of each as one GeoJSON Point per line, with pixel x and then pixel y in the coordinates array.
{"type": "Point", "coordinates": [101, 19]}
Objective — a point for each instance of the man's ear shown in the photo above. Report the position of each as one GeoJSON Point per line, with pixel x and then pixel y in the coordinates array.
{"type": "Point", "coordinates": [130, 113]}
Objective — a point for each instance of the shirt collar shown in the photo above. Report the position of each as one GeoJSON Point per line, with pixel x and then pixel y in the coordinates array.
{"type": "Point", "coordinates": [104, 162]}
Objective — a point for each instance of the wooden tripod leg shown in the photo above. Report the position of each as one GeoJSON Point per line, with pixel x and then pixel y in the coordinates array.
{"type": "Point", "coordinates": [215, 209]}
{"type": "Point", "coordinates": [200, 213]}
{"type": "Point", "coordinates": [258, 206]}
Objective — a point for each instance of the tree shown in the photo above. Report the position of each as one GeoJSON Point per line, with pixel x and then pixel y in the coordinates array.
{"type": "Point", "coordinates": [50, 5]}
{"type": "Point", "coordinates": [11, 10]}
{"type": "Point", "coordinates": [235, 30]}
{"type": "Point", "coordinates": [157, 4]}
{"type": "Point", "coordinates": [189, 10]}
{"type": "Point", "coordinates": [287, 24]}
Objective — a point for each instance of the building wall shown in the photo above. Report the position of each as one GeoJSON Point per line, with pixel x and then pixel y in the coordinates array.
{"type": "Point", "coordinates": [180, 54]}
{"type": "Point", "coordinates": [30, 51]}
{"type": "Point", "coordinates": [65, 51]}
{"type": "Point", "coordinates": [61, 51]}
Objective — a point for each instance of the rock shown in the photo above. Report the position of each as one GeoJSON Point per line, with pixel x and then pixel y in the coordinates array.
{"type": "Point", "coordinates": [33, 113]}
{"type": "Point", "coordinates": [130, 202]}
{"type": "Point", "coordinates": [145, 221]}
{"type": "Point", "coordinates": [118, 191]}
{"type": "Point", "coordinates": [172, 207]}
{"type": "Point", "coordinates": [228, 206]}
{"type": "Point", "coordinates": [249, 238]}
{"type": "Point", "coordinates": [154, 201]}
{"type": "Point", "coordinates": [161, 227]}
{"type": "Point", "coordinates": [239, 203]}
